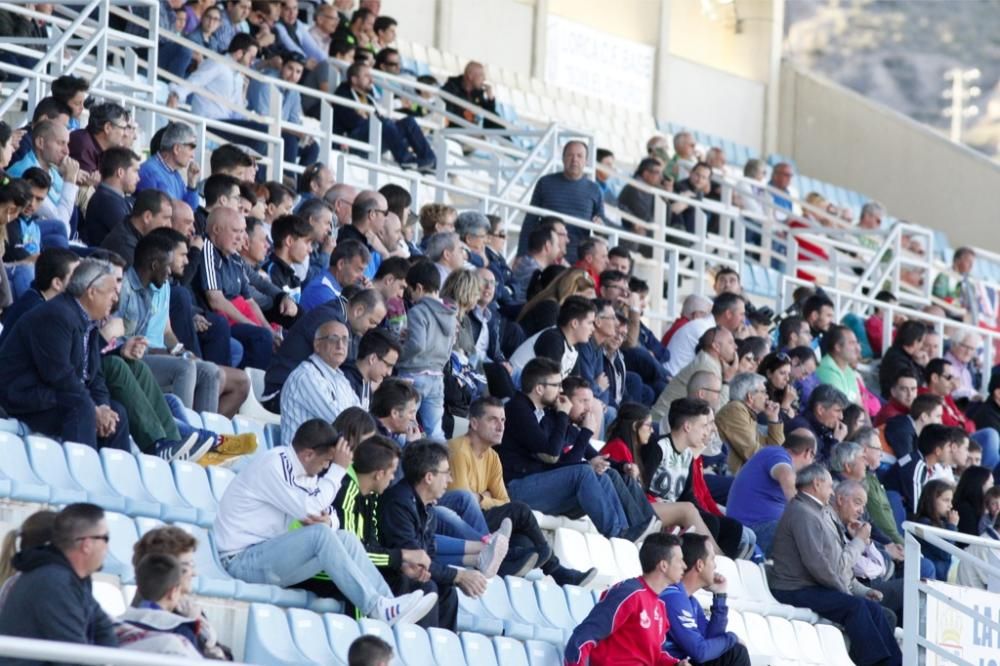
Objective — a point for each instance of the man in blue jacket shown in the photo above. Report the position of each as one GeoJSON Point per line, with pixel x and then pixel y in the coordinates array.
{"type": "Point", "coordinates": [691, 636]}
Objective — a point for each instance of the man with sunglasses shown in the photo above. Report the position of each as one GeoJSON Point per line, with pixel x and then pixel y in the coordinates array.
{"type": "Point", "coordinates": [941, 380]}
{"type": "Point", "coordinates": [53, 599]}
{"type": "Point", "coordinates": [173, 169]}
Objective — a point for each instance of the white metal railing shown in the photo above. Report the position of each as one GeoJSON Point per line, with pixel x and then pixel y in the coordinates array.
{"type": "Point", "coordinates": [916, 592]}
{"type": "Point", "coordinates": [35, 650]}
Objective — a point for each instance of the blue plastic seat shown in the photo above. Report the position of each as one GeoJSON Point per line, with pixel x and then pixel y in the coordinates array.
{"type": "Point", "coordinates": [143, 524]}
{"type": "Point", "coordinates": [244, 424]}
{"type": "Point", "coordinates": [579, 601]}
{"type": "Point", "coordinates": [193, 486]}
{"type": "Point", "coordinates": [478, 649]}
{"type": "Point", "coordinates": [541, 653]}
{"type": "Point", "coordinates": [446, 646]}
{"type": "Point", "coordinates": [124, 534]}
{"type": "Point", "coordinates": [84, 465]}
{"type": "Point", "coordinates": [310, 636]}
{"type": "Point", "coordinates": [473, 616]}
{"type": "Point", "coordinates": [268, 639]}
{"type": "Point", "coordinates": [496, 602]}
{"type": "Point", "coordinates": [509, 652]}
{"type": "Point", "coordinates": [159, 481]}
{"type": "Point", "coordinates": [272, 433]}
{"type": "Point", "coordinates": [13, 426]}
{"type": "Point", "coordinates": [49, 460]}
{"type": "Point", "coordinates": [525, 605]}
{"type": "Point", "coordinates": [217, 423]}
{"type": "Point", "coordinates": [341, 630]}
{"type": "Point", "coordinates": [219, 478]}
{"type": "Point", "coordinates": [552, 604]}
{"type": "Point", "coordinates": [414, 646]}
{"type": "Point", "coordinates": [20, 482]}
{"type": "Point", "coordinates": [122, 472]}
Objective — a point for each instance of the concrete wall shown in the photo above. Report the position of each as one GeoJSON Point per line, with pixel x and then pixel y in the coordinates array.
{"type": "Point", "coordinates": [837, 135]}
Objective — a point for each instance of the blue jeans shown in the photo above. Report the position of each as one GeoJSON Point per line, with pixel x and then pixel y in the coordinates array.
{"type": "Point", "coordinates": [258, 345]}
{"type": "Point", "coordinates": [458, 515]}
{"type": "Point", "coordinates": [399, 137]}
{"type": "Point", "coordinates": [569, 490]}
{"type": "Point", "coordinates": [989, 440]}
{"type": "Point", "coordinates": [765, 535]}
{"type": "Point", "coordinates": [301, 554]}
{"type": "Point", "coordinates": [431, 411]}
{"type": "Point", "coordinates": [448, 550]}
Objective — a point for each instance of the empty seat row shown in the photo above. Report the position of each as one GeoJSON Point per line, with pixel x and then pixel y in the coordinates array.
{"type": "Point", "coordinates": [305, 637]}
{"type": "Point", "coordinates": [777, 641]}
{"type": "Point", "coordinates": [615, 559]}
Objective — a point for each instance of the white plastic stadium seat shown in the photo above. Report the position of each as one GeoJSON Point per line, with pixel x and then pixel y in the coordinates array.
{"type": "Point", "coordinates": [627, 557]}
{"type": "Point", "coordinates": [570, 547]}
{"type": "Point", "coordinates": [603, 557]}
{"type": "Point", "coordinates": [833, 645]}
{"type": "Point", "coordinates": [809, 643]}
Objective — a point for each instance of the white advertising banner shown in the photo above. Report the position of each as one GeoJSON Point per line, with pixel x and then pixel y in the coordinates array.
{"type": "Point", "coordinates": [959, 633]}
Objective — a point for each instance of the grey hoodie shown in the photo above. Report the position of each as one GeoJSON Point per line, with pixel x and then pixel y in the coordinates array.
{"type": "Point", "coordinates": [430, 333]}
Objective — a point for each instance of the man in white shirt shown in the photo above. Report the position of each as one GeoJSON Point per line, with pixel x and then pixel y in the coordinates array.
{"type": "Point", "coordinates": [299, 483]}
{"type": "Point", "coordinates": [318, 388]}
{"type": "Point", "coordinates": [728, 312]}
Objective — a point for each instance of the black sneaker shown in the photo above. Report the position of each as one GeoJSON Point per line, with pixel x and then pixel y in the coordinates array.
{"type": "Point", "coordinates": [171, 450]}
{"type": "Point", "coordinates": [564, 576]}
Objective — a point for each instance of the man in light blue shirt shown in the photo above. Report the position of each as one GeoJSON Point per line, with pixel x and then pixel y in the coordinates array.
{"type": "Point", "coordinates": [294, 34]}
{"type": "Point", "coordinates": [299, 147]}
{"type": "Point", "coordinates": [173, 170]}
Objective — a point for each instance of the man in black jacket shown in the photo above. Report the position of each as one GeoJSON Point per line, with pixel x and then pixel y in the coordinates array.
{"type": "Point", "coordinates": [471, 86]}
{"type": "Point", "coordinates": [406, 521]}
{"type": "Point", "coordinates": [909, 340]}
{"type": "Point", "coordinates": [112, 200]}
{"type": "Point", "coordinates": [152, 210]}
{"type": "Point", "coordinates": [534, 440]}
{"type": "Point", "coordinates": [52, 599]}
{"type": "Point", "coordinates": [50, 364]}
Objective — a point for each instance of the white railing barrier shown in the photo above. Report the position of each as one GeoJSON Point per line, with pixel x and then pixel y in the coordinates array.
{"type": "Point", "coordinates": [34, 650]}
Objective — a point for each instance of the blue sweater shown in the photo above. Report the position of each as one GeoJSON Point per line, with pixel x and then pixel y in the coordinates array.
{"type": "Point", "coordinates": [691, 635]}
{"type": "Point", "coordinates": [577, 198]}
{"type": "Point", "coordinates": [154, 174]}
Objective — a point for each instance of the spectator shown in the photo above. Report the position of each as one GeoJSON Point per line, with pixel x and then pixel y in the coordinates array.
{"type": "Point", "coordinates": [593, 258]}
{"type": "Point", "coordinates": [472, 228]}
{"type": "Point", "coordinates": [691, 635]}
{"type": "Point", "coordinates": [71, 91]}
{"type": "Point", "coordinates": [51, 380]}
{"type": "Point", "coordinates": [841, 352]}
{"type": "Point", "coordinates": [234, 20]}
{"type": "Point", "coordinates": [325, 24]}
{"type": "Point", "coordinates": [934, 452]}
{"type": "Point", "coordinates": [172, 170]}
{"type": "Point", "coordinates": [901, 395]}
{"type": "Point", "coordinates": [318, 388]}
{"type": "Point", "coordinates": [52, 270]}
{"type": "Point", "coordinates": [48, 108]}
{"type": "Point", "coordinates": [390, 281]}
{"type": "Point", "coordinates": [808, 573]}
{"type": "Point", "coordinates": [824, 416]}
{"type": "Point", "coordinates": [291, 242]}
{"type": "Point", "coordinates": [963, 355]}
{"type": "Point", "coordinates": [368, 214]}
{"type": "Point", "coordinates": [403, 138]}
{"type": "Point", "coordinates": [684, 155]}
{"type": "Point", "coordinates": [532, 446]}
{"type": "Point", "coordinates": [206, 32]}
{"type": "Point", "coordinates": [447, 253]}
{"type": "Point", "coordinates": [728, 312]}
{"type": "Point", "coordinates": [693, 307]}
{"type": "Point", "coordinates": [152, 625]}
{"type": "Point", "coordinates": [737, 420]}
{"type": "Point", "coordinates": [568, 193]}
{"type": "Point", "coordinates": [295, 37]}
{"type": "Point", "coordinates": [765, 484]}
{"type": "Point", "coordinates": [696, 186]}
{"type": "Point", "coordinates": [794, 331]}
{"type": "Point", "coordinates": [409, 523]}
{"type": "Point", "coordinates": [878, 506]}
{"type": "Point", "coordinates": [640, 202]}
{"type": "Point", "coordinates": [574, 327]}
{"type": "Point", "coordinates": [378, 353]}
{"type": "Point", "coordinates": [776, 368]}
{"type": "Point", "coordinates": [966, 293]}
{"type": "Point", "coordinates": [716, 355]}
{"type": "Point", "coordinates": [940, 378]}
{"type": "Point", "coordinates": [970, 500]}
{"type": "Point", "coordinates": [357, 30]}
{"type": "Point", "coordinates": [318, 213]}
{"type": "Point", "coordinates": [300, 483]}
{"type": "Point", "coordinates": [314, 183]}
{"type": "Point", "coordinates": [106, 128]}
{"type": "Point", "coordinates": [542, 251]}
{"type": "Point", "coordinates": [902, 353]}
{"type": "Point", "coordinates": [50, 153]}
{"type": "Point", "coordinates": [347, 265]}
{"type": "Point", "coordinates": [471, 87]}
{"type": "Point", "coordinates": [299, 147]}
{"type": "Point", "coordinates": [630, 621]}
{"type": "Point", "coordinates": [112, 201]}
{"type": "Point", "coordinates": [935, 509]}
{"type": "Point", "coordinates": [52, 599]}
{"type": "Point", "coordinates": [35, 531]}
{"type": "Point", "coordinates": [152, 209]}
{"type": "Point", "coordinates": [369, 651]}
{"type": "Point", "coordinates": [901, 432]}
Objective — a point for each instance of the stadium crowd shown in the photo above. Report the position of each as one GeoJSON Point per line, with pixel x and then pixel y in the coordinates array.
{"type": "Point", "coordinates": [134, 289]}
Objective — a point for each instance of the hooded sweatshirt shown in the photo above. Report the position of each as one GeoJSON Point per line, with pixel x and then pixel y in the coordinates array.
{"type": "Point", "coordinates": [49, 601]}
{"type": "Point", "coordinates": [430, 332]}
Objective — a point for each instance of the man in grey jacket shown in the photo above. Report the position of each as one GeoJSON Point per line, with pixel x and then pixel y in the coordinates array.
{"type": "Point", "coordinates": [813, 569]}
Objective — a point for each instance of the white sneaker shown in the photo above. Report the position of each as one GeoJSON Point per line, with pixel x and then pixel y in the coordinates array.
{"type": "Point", "coordinates": [491, 557]}
{"type": "Point", "coordinates": [408, 608]}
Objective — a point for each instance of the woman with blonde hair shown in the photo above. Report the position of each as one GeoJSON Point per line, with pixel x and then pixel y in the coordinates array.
{"type": "Point", "coordinates": [542, 310]}
{"type": "Point", "coordinates": [35, 531]}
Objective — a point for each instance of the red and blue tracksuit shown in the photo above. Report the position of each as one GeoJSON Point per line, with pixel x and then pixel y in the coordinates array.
{"type": "Point", "coordinates": [626, 628]}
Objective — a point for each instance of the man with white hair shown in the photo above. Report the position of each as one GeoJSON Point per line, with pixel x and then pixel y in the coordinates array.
{"type": "Point", "coordinates": [961, 352]}
{"type": "Point", "coordinates": [737, 420]}
{"type": "Point", "coordinates": [694, 307]}
{"type": "Point", "coordinates": [172, 169]}
{"type": "Point", "coordinates": [447, 253]}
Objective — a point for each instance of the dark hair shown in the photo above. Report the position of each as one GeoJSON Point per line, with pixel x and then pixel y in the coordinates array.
{"type": "Point", "coordinates": [156, 575]}
{"type": "Point", "coordinates": [289, 226]}
{"type": "Point", "coordinates": [655, 549]}
{"type": "Point", "coordinates": [219, 185]}
{"type": "Point", "coordinates": [52, 263]}
{"type": "Point", "coordinates": [589, 245]}
{"type": "Point", "coordinates": [340, 46]}
{"type": "Point", "coordinates": [638, 286]}
{"type": "Point", "coordinates": [15, 191]}
{"type": "Point", "coordinates": [241, 41]}
{"type": "Point", "coordinates": [315, 435]}
{"type": "Point", "coordinates": [6, 132]}
{"type": "Point", "coordinates": [382, 56]}
{"type": "Point", "coordinates": [726, 270]}
{"type": "Point", "coordinates": [814, 304]}
{"type": "Point", "coordinates": [374, 454]}
{"type": "Point", "coordinates": [905, 373]}
{"type": "Point", "coordinates": [925, 403]}
{"type": "Point", "coordinates": [802, 353]}
{"type": "Point", "coordinates": [50, 108]}
{"type": "Point", "coordinates": [970, 488]}
{"type": "Point", "coordinates": [354, 423]}
{"type": "Point", "coordinates": [150, 249]}
{"type": "Point", "coordinates": [935, 366]}
{"type": "Point", "coordinates": [625, 427]}
{"type": "Point", "coordinates": [348, 250]}
{"type": "Point", "coordinates": [149, 201]}
{"type": "Point", "coordinates": [909, 332]}
{"type": "Point", "coordinates": [796, 442]}
{"type": "Point", "coordinates": [826, 395]}
{"type": "Point", "coordinates": [392, 393]}
{"type": "Point", "coordinates": [308, 176]}
{"type": "Point", "coordinates": [277, 192]}
{"type": "Point", "coordinates": [368, 650]}
{"type": "Point", "coordinates": [694, 546]}
{"type": "Point", "coordinates": [355, 68]}
{"type": "Point", "coordinates": [928, 496]}
{"type": "Point", "coordinates": [175, 237]}
{"type": "Point", "coordinates": [684, 410]}
{"type": "Point", "coordinates": [420, 458]}
{"type": "Point", "coordinates": [833, 337]}
{"type": "Point", "coordinates": [755, 345]}
{"type": "Point", "coordinates": [378, 341]}
{"type": "Point", "coordinates": [725, 302]}
{"type": "Point", "coordinates": [619, 251]}
{"type": "Point", "coordinates": [537, 371]}
{"type": "Point", "coordinates": [384, 23]}
{"type": "Point", "coordinates": [109, 256]}
{"type": "Point", "coordinates": [479, 405]}
{"type": "Point", "coordinates": [769, 364]}
{"type": "Point", "coordinates": [538, 237]}
{"type": "Point", "coordinates": [248, 191]}
{"type": "Point", "coordinates": [360, 14]}
{"type": "Point", "coordinates": [601, 153]}
{"type": "Point", "coordinates": [573, 309]}
{"type": "Point", "coordinates": [397, 267]}
{"type": "Point", "coordinates": [574, 383]}
{"type": "Point", "coordinates": [398, 198]}
{"type": "Point", "coordinates": [612, 275]}
{"type": "Point", "coordinates": [36, 177]}
{"type": "Point", "coordinates": [168, 539]}
{"type": "Point", "coordinates": [102, 114]}
{"type": "Point", "coordinates": [424, 274]}
{"type": "Point", "coordinates": [116, 158]}
{"type": "Point", "coordinates": [73, 522]}
{"type": "Point", "coordinates": [933, 437]}
{"type": "Point", "coordinates": [67, 86]}
{"type": "Point", "coordinates": [229, 156]}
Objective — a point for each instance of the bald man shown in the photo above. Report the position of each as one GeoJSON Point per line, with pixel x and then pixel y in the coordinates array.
{"type": "Point", "coordinates": [471, 87]}
{"type": "Point", "coordinates": [318, 388]}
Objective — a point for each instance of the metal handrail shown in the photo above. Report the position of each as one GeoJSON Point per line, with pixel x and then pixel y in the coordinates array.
{"type": "Point", "coordinates": [75, 653]}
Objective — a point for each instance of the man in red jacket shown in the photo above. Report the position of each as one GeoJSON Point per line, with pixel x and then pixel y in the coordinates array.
{"type": "Point", "coordinates": [942, 379]}
{"type": "Point", "coordinates": [629, 624]}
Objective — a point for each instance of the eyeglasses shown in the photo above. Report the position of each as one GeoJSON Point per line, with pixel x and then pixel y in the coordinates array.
{"type": "Point", "coordinates": [121, 127]}
{"type": "Point", "coordinates": [380, 211]}
{"type": "Point", "coordinates": [499, 234]}
{"type": "Point", "coordinates": [441, 471]}
{"type": "Point", "coordinates": [106, 538]}
{"type": "Point", "coordinates": [336, 339]}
